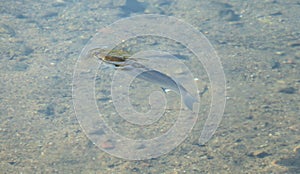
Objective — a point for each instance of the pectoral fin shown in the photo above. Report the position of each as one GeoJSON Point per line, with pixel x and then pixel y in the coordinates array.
{"type": "Point", "coordinates": [166, 90]}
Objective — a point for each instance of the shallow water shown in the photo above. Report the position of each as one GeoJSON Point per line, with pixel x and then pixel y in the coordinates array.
{"type": "Point", "coordinates": [258, 44]}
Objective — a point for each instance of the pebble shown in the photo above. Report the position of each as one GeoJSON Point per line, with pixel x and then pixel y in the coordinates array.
{"type": "Point", "coordinates": [107, 145]}
{"type": "Point", "coordinates": [20, 66]}
{"type": "Point", "coordinates": [294, 44]}
{"type": "Point", "coordinates": [297, 55]}
{"type": "Point", "coordinates": [259, 154]}
{"type": "Point", "coordinates": [6, 29]}
{"type": "Point", "coordinates": [289, 61]}
{"type": "Point", "coordinates": [275, 65]}
{"type": "Point", "coordinates": [48, 110]}
{"type": "Point", "coordinates": [280, 53]}
{"type": "Point", "coordinates": [229, 15]}
{"type": "Point", "coordinates": [288, 90]}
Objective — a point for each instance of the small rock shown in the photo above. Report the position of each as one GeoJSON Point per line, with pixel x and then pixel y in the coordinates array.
{"type": "Point", "coordinates": [12, 163]}
{"type": "Point", "coordinates": [135, 169]}
{"type": "Point", "coordinates": [50, 15]}
{"type": "Point", "coordinates": [289, 61]}
{"type": "Point", "coordinates": [25, 50]}
{"type": "Point", "coordinates": [276, 14]}
{"type": "Point", "coordinates": [288, 90]}
{"type": "Point", "coordinates": [297, 55]}
{"type": "Point", "coordinates": [294, 44]}
{"type": "Point", "coordinates": [259, 154]}
{"type": "Point", "coordinates": [108, 145]}
{"type": "Point", "coordinates": [8, 30]}
{"type": "Point", "coordinates": [48, 111]}
{"type": "Point", "coordinates": [20, 66]}
{"type": "Point", "coordinates": [21, 16]}
{"type": "Point", "coordinates": [229, 15]}
{"type": "Point", "coordinates": [280, 53]}
{"type": "Point", "coordinates": [275, 65]}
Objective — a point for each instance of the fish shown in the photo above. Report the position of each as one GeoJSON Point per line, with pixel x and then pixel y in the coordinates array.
{"type": "Point", "coordinates": [131, 66]}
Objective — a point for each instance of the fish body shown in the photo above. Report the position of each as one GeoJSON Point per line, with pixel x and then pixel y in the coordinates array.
{"type": "Point", "coordinates": [132, 67]}
{"type": "Point", "coordinates": [168, 83]}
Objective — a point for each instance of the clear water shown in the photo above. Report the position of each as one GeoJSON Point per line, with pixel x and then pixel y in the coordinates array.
{"type": "Point", "coordinates": [259, 47]}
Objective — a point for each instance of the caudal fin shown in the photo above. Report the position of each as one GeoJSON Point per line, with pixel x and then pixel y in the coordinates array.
{"type": "Point", "coordinates": [189, 100]}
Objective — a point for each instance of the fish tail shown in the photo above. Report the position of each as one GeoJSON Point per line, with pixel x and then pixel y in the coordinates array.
{"type": "Point", "coordinates": [189, 100]}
